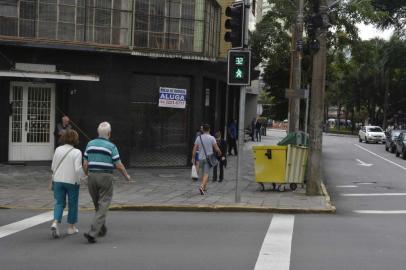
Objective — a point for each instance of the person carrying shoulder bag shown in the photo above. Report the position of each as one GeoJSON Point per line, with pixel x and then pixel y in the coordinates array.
{"type": "Point", "coordinates": [207, 145]}
{"type": "Point", "coordinates": [67, 172]}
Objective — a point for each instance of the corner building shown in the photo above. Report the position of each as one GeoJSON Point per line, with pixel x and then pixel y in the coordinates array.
{"type": "Point", "coordinates": [106, 60]}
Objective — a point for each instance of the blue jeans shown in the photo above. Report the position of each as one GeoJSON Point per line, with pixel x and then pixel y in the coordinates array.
{"type": "Point", "coordinates": [60, 192]}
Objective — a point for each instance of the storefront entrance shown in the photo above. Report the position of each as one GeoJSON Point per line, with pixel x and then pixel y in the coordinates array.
{"type": "Point", "coordinates": [31, 121]}
{"type": "Point", "coordinates": [159, 135]}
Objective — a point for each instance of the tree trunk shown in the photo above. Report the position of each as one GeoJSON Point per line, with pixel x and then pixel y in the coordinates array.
{"type": "Point", "coordinates": [314, 176]}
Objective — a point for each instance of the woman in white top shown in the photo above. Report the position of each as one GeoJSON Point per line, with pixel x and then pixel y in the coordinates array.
{"type": "Point", "coordinates": [67, 172]}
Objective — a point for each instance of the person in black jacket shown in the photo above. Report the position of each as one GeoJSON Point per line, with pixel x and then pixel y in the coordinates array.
{"type": "Point", "coordinates": [223, 161]}
{"type": "Point", "coordinates": [258, 127]}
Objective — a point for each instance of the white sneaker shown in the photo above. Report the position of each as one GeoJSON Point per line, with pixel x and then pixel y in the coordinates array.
{"type": "Point", "coordinates": [55, 230]}
{"type": "Point", "coordinates": [73, 231]}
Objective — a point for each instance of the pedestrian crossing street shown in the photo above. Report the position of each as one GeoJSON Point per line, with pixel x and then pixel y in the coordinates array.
{"type": "Point", "coordinates": [275, 251]}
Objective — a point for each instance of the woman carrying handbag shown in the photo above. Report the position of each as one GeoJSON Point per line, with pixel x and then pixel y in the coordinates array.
{"type": "Point", "coordinates": [67, 172]}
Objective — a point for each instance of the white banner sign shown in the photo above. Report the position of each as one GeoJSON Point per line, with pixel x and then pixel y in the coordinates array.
{"type": "Point", "coordinates": [172, 97]}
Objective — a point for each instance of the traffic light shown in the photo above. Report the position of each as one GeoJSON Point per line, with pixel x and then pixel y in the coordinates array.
{"type": "Point", "coordinates": [236, 25]}
{"type": "Point", "coordinates": [239, 67]}
{"type": "Point", "coordinates": [313, 23]}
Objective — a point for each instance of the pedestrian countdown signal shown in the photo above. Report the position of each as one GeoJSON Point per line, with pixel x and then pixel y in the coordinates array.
{"type": "Point", "coordinates": [239, 67]}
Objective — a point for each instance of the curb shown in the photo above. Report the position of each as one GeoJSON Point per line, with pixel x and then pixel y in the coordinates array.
{"type": "Point", "coordinates": [221, 208]}
{"type": "Point", "coordinates": [340, 135]}
{"type": "Point", "coordinates": [328, 198]}
{"type": "Point", "coordinates": [196, 208]}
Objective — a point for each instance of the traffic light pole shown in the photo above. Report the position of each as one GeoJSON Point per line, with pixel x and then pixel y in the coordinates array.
{"type": "Point", "coordinates": [241, 120]}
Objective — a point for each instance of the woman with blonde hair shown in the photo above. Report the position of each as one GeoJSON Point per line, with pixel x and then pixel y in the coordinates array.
{"type": "Point", "coordinates": [66, 174]}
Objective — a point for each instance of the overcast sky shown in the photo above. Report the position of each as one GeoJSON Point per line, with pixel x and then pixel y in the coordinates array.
{"type": "Point", "coordinates": [368, 32]}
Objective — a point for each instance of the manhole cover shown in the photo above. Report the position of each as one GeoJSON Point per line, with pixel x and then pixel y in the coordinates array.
{"type": "Point", "coordinates": [166, 175]}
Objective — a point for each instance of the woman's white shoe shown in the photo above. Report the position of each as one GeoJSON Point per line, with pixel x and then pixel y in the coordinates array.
{"type": "Point", "coordinates": [55, 230]}
{"type": "Point", "coordinates": [73, 230]}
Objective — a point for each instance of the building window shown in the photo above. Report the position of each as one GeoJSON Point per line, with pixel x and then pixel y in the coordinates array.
{"type": "Point", "coordinates": [94, 21]}
{"type": "Point", "coordinates": [190, 26]}
{"type": "Point", "coordinates": [8, 18]}
{"type": "Point", "coordinates": [172, 24]}
{"type": "Point", "coordinates": [212, 29]}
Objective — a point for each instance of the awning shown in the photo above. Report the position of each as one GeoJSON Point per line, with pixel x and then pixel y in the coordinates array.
{"type": "Point", "coordinates": [58, 75]}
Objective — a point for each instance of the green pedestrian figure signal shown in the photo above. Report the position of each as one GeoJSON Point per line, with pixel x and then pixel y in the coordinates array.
{"type": "Point", "coordinates": [239, 67]}
{"type": "Point", "coordinates": [238, 74]}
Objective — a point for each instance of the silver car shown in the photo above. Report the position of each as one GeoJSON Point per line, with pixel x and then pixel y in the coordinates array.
{"type": "Point", "coordinates": [371, 134]}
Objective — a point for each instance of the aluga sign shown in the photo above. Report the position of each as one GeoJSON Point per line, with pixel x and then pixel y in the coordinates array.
{"type": "Point", "coordinates": [172, 97]}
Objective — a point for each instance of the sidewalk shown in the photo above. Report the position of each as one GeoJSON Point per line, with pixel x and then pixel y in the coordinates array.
{"type": "Point", "coordinates": [166, 189]}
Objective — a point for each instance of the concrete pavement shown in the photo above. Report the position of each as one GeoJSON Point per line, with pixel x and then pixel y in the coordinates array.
{"type": "Point", "coordinates": [167, 189]}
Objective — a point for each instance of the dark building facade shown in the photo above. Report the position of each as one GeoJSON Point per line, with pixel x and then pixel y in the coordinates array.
{"type": "Point", "coordinates": [109, 60]}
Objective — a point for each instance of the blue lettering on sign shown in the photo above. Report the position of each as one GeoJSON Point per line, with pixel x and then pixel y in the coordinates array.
{"type": "Point", "coordinates": [172, 96]}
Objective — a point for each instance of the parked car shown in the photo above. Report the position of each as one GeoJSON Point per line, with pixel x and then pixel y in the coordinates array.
{"type": "Point", "coordinates": [371, 134]}
{"type": "Point", "coordinates": [391, 137]}
{"type": "Point", "coordinates": [401, 145]}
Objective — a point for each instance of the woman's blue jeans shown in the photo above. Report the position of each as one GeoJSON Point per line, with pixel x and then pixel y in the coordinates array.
{"type": "Point", "coordinates": [61, 190]}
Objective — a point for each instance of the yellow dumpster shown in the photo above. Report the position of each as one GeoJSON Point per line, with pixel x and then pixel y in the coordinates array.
{"type": "Point", "coordinates": [280, 165]}
{"type": "Point", "coordinates": [270, 163]}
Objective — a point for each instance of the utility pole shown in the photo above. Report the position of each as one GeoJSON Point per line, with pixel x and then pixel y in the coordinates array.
{"type": "Point", "coordinates": [385, 84]}
{"type": "Point", "coordinates": [313, 186]}
{"type": "Point", "coordinates": [296, 66]}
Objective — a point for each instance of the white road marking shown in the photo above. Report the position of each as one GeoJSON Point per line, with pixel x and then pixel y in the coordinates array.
{"type": "Point", "coordinates": [276, 248]}
{"type": "Point", "coordinates": [390, 161]}
{"type": "Point", "coordinates": [361, 163]}
{"type": "Point", "coordinates": [371, 194]}
{"type": "Point", "coordinates": [26, 223]}
{"type": "Point", "coordinates": [380, 211]}
{"type": "Point", "coordinates": [367, 183]}
{"type": "Point", "coordinates": [347, 186]}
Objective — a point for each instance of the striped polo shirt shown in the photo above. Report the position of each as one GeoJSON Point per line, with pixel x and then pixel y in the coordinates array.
{"type": "Point", "coordinates": [102, 155]}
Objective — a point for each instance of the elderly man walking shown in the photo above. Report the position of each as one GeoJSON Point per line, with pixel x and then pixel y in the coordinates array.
{"type": "Point", "coordinates": [100, 159]}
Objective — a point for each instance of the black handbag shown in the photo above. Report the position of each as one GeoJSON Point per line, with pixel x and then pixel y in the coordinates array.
{"type": "Point", "coordinates": [212, 158]}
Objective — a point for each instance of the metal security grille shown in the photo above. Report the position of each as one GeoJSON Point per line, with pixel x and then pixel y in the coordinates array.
{"type": "Point", "coordinates": [17, 116]}
{"type": "Point", "coordinates": [38, 114]}
{"type": "Point", "coordinates": [159, 135]}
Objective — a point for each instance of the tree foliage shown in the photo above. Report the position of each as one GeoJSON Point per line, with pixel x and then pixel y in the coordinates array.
{"type": "Point", "coordinates": [395, 13]}
{"type": "Point", "coordinates": [360, 74]}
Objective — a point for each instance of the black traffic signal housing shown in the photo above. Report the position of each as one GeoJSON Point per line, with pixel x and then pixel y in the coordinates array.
{"type": "Point", "coordinates": [236, 24]}
{"type": "Point", "coordinates": [313, 23]}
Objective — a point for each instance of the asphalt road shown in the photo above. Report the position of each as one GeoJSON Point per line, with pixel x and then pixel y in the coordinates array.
{"type": "Point", "coordinates": [351, 239]}
{"type": "Point", "coordinates": [354, 238]}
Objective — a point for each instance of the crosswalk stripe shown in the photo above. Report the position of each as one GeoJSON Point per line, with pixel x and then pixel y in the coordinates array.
{"type": "Point", "coordinates": [371, 194]}
{"type": "Point", "coordinates": [26, 223]}
{"type": "Point", "coordinates": [276, 248]}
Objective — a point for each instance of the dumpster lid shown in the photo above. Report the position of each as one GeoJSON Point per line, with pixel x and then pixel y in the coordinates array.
{"type": "Point", "coordinates": [270, 147]}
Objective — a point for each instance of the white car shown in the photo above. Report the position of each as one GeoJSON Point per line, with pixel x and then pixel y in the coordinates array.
{"type": "Point", "coordinates": [372, 134]}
